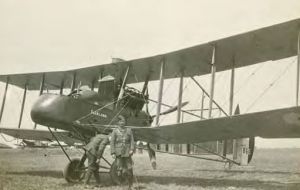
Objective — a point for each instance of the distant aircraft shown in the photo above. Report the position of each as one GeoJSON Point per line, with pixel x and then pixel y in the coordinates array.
{"type": "Point", "coordinates": [83, 113]}
{"type": "Point", "coordinates": [32, 144]}
{"type": "Point", "coordinates": [4, 146]}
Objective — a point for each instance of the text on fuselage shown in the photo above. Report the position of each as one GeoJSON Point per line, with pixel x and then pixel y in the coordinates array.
{"type": "Point", "coordinates": [97, 113]}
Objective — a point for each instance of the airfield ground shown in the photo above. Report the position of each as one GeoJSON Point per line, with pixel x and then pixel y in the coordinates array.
{"type": "Point", "coordinates": [38, 169]}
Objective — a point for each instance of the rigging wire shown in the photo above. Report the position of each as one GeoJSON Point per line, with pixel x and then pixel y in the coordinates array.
{"type": "Point", "coordinates": [249, 77]}
{"type": "Point", "coordinates": [164, 91]}
{"type": "Point", "coordinates": [176, 100]}
{"type": "Point", "coordinates": [244, 83]}
{"type": "Point", "coordinates": [199, 97]}
{"type": "Point", "coordinates": [219, 77]}
{"type": "Point", "coordinates": [222, 105]}
{"type": "Point", "coordinates": [278, 77]}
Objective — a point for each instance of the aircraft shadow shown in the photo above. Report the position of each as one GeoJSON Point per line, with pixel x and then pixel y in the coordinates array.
{"type": "Point", "coordinates": [164, 180]}
{"type": "Point", "coordinates": [44, 173]}
{"type": "Point", "coordinates": [250, 171]}
{"type": "Point", "coordinates": [191, 181]}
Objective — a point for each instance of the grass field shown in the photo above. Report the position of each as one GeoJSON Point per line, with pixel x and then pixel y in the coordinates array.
{"type": "Point", "coordinates": [38, 169]}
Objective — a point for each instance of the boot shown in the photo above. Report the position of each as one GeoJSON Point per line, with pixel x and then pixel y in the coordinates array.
{"type": "Point", "coordinates": [130, 178]}
{"type": "Point", "coordinates": [97, 178]}
{"type": "Point", "coordinates": [87, 178]}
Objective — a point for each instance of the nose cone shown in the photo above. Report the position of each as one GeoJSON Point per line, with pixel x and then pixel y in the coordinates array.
{"type": "Point", "coordinates": [46, 109]}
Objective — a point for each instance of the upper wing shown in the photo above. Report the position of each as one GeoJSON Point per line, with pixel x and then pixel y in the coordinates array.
{"type": "Point", "coordinates": [41, 135]}
{"type": "Point", "coordinates": [282, 123]}
{"type": "Point", "coordinates": [270, 43]}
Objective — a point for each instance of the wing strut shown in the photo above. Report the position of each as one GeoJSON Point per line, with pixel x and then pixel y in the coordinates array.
{"type": "Point", "coordinates": [202, 104]}
{"type": "Point", "coordinates": [145, 87]}
{"type": "Point", "coordinates": [99, 78]}
{"type": "Point", "coordinates": [231, 94]}
{"type": "Point", "coordinates": [123, 84]}
{"type": "Point", "coordinates": [61, 88]}
{"type": "Point", "coordinates": [298, 70]}
{"type": "Point", "coordinates": [4, 98]}
{"type": "Point", "coordinates": [212, 83]}
{"type": "Point", "coordinates": [73, 82]}
{"type": "Point", "coordinates": [180, 90]}
{"type": "Point", "coordinates": [160, 90]}
{"type": "Point", "coordinates": [23, 104]}
{"type": "Point", "coordinates": [197, 83]}
{"type": "Point", "coordinates": [160, 93]}
{"type": "Point", "coordinates": [180, 97]}
{"type": "Point", "coordinates": [212, 86]}
{"type": "Point", "coordinates": [42, 83]}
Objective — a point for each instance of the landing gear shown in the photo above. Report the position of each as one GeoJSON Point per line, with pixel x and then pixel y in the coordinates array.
{"type": "Point", "coordinates": [74, 171]}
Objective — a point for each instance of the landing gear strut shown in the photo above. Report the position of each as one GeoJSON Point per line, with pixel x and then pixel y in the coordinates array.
{"type": "Point", "coordinates": [75, 170]}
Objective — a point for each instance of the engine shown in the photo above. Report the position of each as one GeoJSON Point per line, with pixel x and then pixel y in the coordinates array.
{"type": "Point", "coordinates": [134, 99]}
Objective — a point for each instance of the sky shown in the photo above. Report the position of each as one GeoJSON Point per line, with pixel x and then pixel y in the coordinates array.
{"type": "Point", "coordinates": [54, 35]}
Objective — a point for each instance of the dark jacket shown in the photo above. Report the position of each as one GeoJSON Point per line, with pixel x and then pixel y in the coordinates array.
{"type": "Point", "coordinates": [97, 145]}
{"type": "Point", "coordinates": [122, 142]}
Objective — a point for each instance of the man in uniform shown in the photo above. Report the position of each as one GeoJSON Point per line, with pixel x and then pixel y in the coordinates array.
{"type": "Point", "coordinates": [94, 151]}
{"type": "Point", "coordinates": [122, 147]}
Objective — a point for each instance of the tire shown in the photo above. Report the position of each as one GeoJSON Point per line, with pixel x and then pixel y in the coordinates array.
{"type": "Point", "coordinates": [73, 173]}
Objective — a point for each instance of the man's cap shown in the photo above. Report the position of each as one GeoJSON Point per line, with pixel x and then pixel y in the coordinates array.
{"type": "Point", "coordinates": [121, 117]}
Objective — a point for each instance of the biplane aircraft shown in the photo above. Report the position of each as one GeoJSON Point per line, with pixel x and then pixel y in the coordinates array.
{"type": "Point", "coordinates": [82, 113]}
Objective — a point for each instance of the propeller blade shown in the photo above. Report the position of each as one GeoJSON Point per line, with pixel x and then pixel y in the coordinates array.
{"type": "Point", "coordinates": [172, 109]}
{"type": "Point", "coordinates": [152, 156]}
{"type": "Point", "coordinates": [147, 103]}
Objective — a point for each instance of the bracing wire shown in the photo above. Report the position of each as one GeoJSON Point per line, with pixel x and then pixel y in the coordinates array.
{"type": "Point", "coordinates": [244, 83]}
{"type": "Point", "coordinates": [199, 97]}
{"type": "Point", "coordinates": [249, 77]}
{"type": "Point", "coordinates": [278, 77]}
{"type": "Point", "coordinates": [164, 90]}
{"type": "Point", "coordinates": [176, 100]}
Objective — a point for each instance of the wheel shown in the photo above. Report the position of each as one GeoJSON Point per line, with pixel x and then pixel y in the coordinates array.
{"type": "Point", "coordinates": [74, 171]}
{"type": "Point", "coordinates": [116, 177]}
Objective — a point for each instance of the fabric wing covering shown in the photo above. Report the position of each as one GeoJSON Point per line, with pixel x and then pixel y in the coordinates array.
{"type": "Point", "coordinates": [40, 135]}
{"type": "Point", "coordinates": [282, 123]}
{"type": "Point", "coordinates": [269, 43]}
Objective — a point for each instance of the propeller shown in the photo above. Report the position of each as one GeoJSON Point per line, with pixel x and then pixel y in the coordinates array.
{"type": "Point", "coordinates": [172, 109]}
{"type": "Point", "coordinates": [151, 151]}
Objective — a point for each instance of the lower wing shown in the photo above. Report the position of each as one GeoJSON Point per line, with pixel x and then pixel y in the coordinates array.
{"type": "Point", "coordinates": [40, 135]}
{"type": "Point", "coordinates": [281, 123]}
